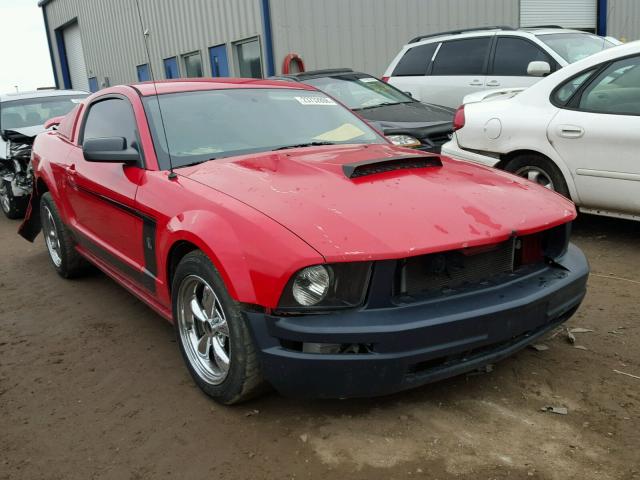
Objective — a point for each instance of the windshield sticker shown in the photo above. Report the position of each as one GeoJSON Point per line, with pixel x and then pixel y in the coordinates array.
{"type": "Point", "coordinates": [368, 80]}
{"type": "Point", "coordinates": [315, 101]}
{"type": "Point", "coordinates": [343, 133]}
{"type": "Point", "coordinates": [77, 100]}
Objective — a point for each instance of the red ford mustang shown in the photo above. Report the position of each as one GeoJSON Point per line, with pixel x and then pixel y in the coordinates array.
{"type": "Point", "coordinates": [292, 245]}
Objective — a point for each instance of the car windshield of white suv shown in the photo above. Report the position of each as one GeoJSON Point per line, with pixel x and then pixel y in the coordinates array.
{"type": "Point", "coordinates": [575, 46]}
{"type": "Point", "coordinates": [212, 124]}
{"type": "Point", "coordinates": [35, 111]}
{"type": "Point", "coordinates": [359, 92]}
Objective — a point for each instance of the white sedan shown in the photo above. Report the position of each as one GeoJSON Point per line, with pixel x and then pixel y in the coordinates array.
{"type": "Point", "coordinates": [576, 132]}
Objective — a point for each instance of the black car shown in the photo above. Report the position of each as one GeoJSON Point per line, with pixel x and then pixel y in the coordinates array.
{"type": "Point", "coordinates": [403, 120]}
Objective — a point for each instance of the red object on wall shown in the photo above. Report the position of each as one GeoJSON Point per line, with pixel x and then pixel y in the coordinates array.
{"type": "Point", "coordinates": [288, 60]}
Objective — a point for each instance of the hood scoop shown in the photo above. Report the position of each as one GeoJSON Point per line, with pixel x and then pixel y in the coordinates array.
{"type": "Point", "coordinates": [389, 164]}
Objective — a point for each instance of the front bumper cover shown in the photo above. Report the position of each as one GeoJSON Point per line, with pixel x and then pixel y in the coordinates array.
{"type": "Point", "coordinates": [418, 343]}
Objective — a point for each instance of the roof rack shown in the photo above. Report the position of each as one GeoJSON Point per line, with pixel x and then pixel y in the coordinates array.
{"type": "Point", "coordinates": [462, 30]}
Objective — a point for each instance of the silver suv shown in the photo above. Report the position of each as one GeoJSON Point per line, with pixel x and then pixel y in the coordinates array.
{"type": "Point", "coordinates": [444, 67]}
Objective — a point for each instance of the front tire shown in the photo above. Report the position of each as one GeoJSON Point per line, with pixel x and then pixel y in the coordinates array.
{"type": "Point", "coordinates": [13, 207]}
{"type": "Point", "coordinates": [540, 170]}
{"type": "Point", "coordinates": [60, 245]}
{"type": "Point", "coordinates": [212, 333]}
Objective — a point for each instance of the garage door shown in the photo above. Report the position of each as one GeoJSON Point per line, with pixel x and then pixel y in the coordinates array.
{"type": "Point", "coordinates": [580, 14]}
{"type": "Point", "coordinates": [75, 57]}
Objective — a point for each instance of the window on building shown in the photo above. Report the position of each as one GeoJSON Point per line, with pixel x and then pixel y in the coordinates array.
{"type": "Point", "coordinates": [171, 68]}
{"type": "Point", "coordinates": [462, 57]}
{"type": "Point", "coordinates": [110, 118]}
{"type": "Point", "coordinates": [248, 58]}
{"type": "Point", "coordinates": [415, 61]}
{"type": "Point", "coordinates": [143, 72]}
{"type": "Point", "coordinates": [192, 64]}
{"type": "Point", "coordinates": [513, 56]}
{"type": "Point", "coordinates": [93, 84]}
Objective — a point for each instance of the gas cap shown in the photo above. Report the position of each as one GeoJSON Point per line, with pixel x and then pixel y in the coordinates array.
{"type": "Point", "coordinates": [493, 128]}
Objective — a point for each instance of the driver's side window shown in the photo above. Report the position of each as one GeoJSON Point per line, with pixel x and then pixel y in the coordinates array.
{"type": "Point", "coordinates": [112, 117]}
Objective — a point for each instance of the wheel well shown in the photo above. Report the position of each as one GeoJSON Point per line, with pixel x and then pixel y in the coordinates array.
{"type": "Point", "coordinates": [41, 187]}
{"type": "Point", "coordinates": [507, 157]}
{"type": "Point", "coordinates": [176, 254]}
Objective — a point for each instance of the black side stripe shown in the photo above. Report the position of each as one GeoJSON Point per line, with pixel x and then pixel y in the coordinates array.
{"type": "Point", "coordinates": [149, 229]}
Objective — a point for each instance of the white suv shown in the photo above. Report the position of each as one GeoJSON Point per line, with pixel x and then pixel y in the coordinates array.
{"type": "Point", "coordinates": [442, 68]}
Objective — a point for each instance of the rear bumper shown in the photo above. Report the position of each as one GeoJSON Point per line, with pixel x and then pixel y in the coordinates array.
{"type": "Point", "coordinates": [415, 344]}
{"type": "Point", "coordinates": [453, 150]}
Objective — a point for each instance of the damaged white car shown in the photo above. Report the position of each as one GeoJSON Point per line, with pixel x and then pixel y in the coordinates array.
{"type": "Point", "coordinates": [22, 117]}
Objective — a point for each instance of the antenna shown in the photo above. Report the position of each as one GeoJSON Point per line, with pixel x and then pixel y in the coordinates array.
{"type": "Point", "coordinates": [145, 33]}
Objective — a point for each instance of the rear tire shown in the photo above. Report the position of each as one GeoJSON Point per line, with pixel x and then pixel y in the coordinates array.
{"type": "Point", "coordinates": [60, 245]}
{"type": "Point", "coordinates": [13, 207]}
{"type": "Point", "coordinates": [213, 334]}
{"type": "Point", "coordinates": [540, 170]}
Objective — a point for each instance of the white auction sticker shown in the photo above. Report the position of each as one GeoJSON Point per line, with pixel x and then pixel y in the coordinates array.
{"type": "Point", "coordinates": [368, 80]}
{"type": "Point", "coordinates": [315, 101]}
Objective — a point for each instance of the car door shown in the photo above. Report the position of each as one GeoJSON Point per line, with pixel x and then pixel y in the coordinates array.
{"type": "Point", "coordinates": [596, 134]}
{"type": "Point", "coordinates": [101, 195]}
{"type": "Point", "coordinates": [458, 69]}
{"type": "Point", "coordinates": [510, 59]}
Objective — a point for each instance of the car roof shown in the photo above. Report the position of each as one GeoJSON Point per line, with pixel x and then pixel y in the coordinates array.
{"type": "Point", "coordinates": [505, 30]}
{"type": "Point", "coordinates": [7, 97]}
{"type": "Point", "coordinates": [199, 84]}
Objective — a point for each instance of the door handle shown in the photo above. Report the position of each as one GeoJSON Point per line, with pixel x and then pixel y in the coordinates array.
{"type": "Point", "coordinates": [493, 83]}
{"type": "Point", "coordinates": [571, 131]}
{"type": "Point", "coordinates": [71, 176]}
{"type": "Point", "coordinates": [476, 83]}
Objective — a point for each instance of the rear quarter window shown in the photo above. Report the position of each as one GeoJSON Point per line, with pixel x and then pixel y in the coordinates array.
{"type": "Point", "coordinates": [415, 61]}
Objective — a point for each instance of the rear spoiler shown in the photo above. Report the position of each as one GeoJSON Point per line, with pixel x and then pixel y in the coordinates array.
{"type": "Point", "coordinates": [491, 94]}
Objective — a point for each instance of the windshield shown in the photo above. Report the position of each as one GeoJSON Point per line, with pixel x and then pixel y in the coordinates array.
{"type": "Point", "coordinates": [212, 124]}
{"type": "Point", "coordinates": [575, 46]}
{"type": "Point", "coordinates": [30, 112]}
{"type": "Point", "coordinates": [359, 91]}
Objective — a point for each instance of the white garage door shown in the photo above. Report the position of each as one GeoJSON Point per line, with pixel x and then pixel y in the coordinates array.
{"type": "Point", "coordinates": [75, 57]}
{"type": "Point", "coordinates": [565, 13]}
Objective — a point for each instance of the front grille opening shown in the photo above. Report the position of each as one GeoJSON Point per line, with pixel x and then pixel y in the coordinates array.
{"type": "Point", "coordinates": [455, 269]}
{"type": "Point", "coordinates": [327, 348]}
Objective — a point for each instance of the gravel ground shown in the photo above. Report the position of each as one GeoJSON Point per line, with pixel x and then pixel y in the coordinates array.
{"type": "Point", "coordinates": [92, 386]}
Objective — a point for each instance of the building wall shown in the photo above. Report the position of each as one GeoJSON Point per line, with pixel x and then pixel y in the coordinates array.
{"type": "Point", "coordinates": [112, 36]}
{"type": "Point", "coordinates": [623, 19]}
{"type": "Point", "coordinates": [367, 34]}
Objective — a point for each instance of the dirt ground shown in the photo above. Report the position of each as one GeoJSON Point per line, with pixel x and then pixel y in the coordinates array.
{"type": "Point", "coordinates": [92, 386]}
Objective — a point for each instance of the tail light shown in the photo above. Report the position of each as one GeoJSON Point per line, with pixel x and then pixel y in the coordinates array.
{"type": "Point", "coordinates": [458, 118]}
{"type": "Point", "coordinates": [385, 79]}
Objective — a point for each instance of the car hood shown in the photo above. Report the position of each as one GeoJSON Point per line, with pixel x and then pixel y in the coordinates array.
{"type": "Point", "coordinates": [392, 214]}
{"type": "Point", "coordinates": [412, 115]}
{"type": "Point", "coordinates": [18, 135]}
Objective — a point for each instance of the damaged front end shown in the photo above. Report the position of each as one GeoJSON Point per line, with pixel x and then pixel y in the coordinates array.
{"type": "Point", "coordinates": [16, 173]}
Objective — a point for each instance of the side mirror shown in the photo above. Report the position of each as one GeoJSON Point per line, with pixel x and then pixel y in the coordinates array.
{"type": "Point", "coordinates": [538, 69]}
{"type": "Point", "coordinates": [112, 150]}
{"type": "Point", "coordinates": [53, 122]}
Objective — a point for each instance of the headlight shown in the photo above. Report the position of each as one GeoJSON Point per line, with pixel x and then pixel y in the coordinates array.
{"type": "Point", "coordinates": [404, 140]}
{"type": "Point", "coordinates": [311, 285]}
{"type": "Point", "coordinates": [326, 287]}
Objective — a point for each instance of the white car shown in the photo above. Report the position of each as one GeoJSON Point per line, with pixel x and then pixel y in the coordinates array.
{"type": "Point", "coordinates": [442, 68]}
{"type": "Point", "coordinates": [576, 132]}
{"type": "Point", "coordinates": [22, 116]}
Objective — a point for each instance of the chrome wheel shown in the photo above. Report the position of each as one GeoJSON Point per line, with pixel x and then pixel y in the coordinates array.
{"type": "Point", "coordinates": [51, 237]}
{"type": "Point", "coordinates": [203, 330]}
{"type": "Point", "coordinates": [536, 175]}
{"type": "Point", "coordinates": [5, 201]}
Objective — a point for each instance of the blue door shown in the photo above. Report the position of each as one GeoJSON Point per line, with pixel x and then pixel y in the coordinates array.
{"type": "Point", "coordinates": [143, 73]}
{"type": "Point", "coordinates": [93, 84]}
{"type": "Point", "coordinates": [219, 63]}
{"type": "Point", "coordinates": [171, 68]}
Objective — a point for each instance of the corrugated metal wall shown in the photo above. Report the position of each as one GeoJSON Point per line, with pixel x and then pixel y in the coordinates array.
{"type": "Point", "coordinates": [623, 19]}
{"type": "Point", "coordinates": [367, 34]}
{"type": "Point", "coordinates": [112, 37]}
